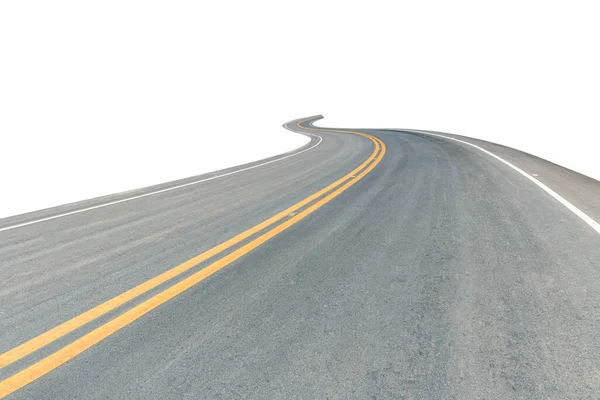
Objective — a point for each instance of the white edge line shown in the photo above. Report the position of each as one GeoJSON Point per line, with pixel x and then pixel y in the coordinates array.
{"type": "Point", "coordinates": [586, 218]}
{"type": "Point", "coordinates": [6, 228]}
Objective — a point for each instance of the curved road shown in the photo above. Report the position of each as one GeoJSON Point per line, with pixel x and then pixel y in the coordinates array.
{"type": "Point", "coordinates": [378, 264]}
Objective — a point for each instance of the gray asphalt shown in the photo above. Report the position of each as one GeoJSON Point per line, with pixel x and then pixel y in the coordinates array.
{"type": "Point", "coordinates": [442, 274]}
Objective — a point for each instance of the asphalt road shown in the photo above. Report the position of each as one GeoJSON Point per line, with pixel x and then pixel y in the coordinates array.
{"type": "Point", "coordinates": [438, 273]}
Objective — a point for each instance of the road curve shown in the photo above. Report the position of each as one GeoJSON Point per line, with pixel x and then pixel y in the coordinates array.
{"type": "Point", "coordinates": [376, 264]}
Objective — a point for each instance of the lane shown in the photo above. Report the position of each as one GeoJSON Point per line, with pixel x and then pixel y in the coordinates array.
{"type": "Point", "coordinates": [581, 190]}
{"type": "Point", "coordinates": [40, 216]}
{"type": "Point", "coordinates": [108, 200]}
{"type": "Point", "coordinates": [531, 177]}
{"type": "Point", "coordinates": [58, 269]}
{"type": "Point", "coordinates": [441, 274]}
{"type": "Point", "coordinates": [38, 369]}
{"type": "Point", "coordinates": [65, 328]}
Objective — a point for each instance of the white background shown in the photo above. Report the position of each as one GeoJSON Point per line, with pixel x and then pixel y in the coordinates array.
{"type": "Point", "coordinates": [100, 97]}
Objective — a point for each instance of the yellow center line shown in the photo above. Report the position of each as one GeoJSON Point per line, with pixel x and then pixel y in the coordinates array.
{"type": "Point", "coordinates": [56, 359]}
{"type": "Point", "coordinates": [69, 326]}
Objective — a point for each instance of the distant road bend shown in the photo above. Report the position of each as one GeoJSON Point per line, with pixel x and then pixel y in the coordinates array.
{"type": "Point", "coordinates": [370, 263]}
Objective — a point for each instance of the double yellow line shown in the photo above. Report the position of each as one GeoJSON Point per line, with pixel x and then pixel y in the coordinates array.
{"type": "Point", "coordinates": [49, 363]}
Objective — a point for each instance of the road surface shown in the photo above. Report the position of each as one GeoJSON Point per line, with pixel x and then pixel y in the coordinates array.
{"type": "Point", "coordinates": [379, 264]}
